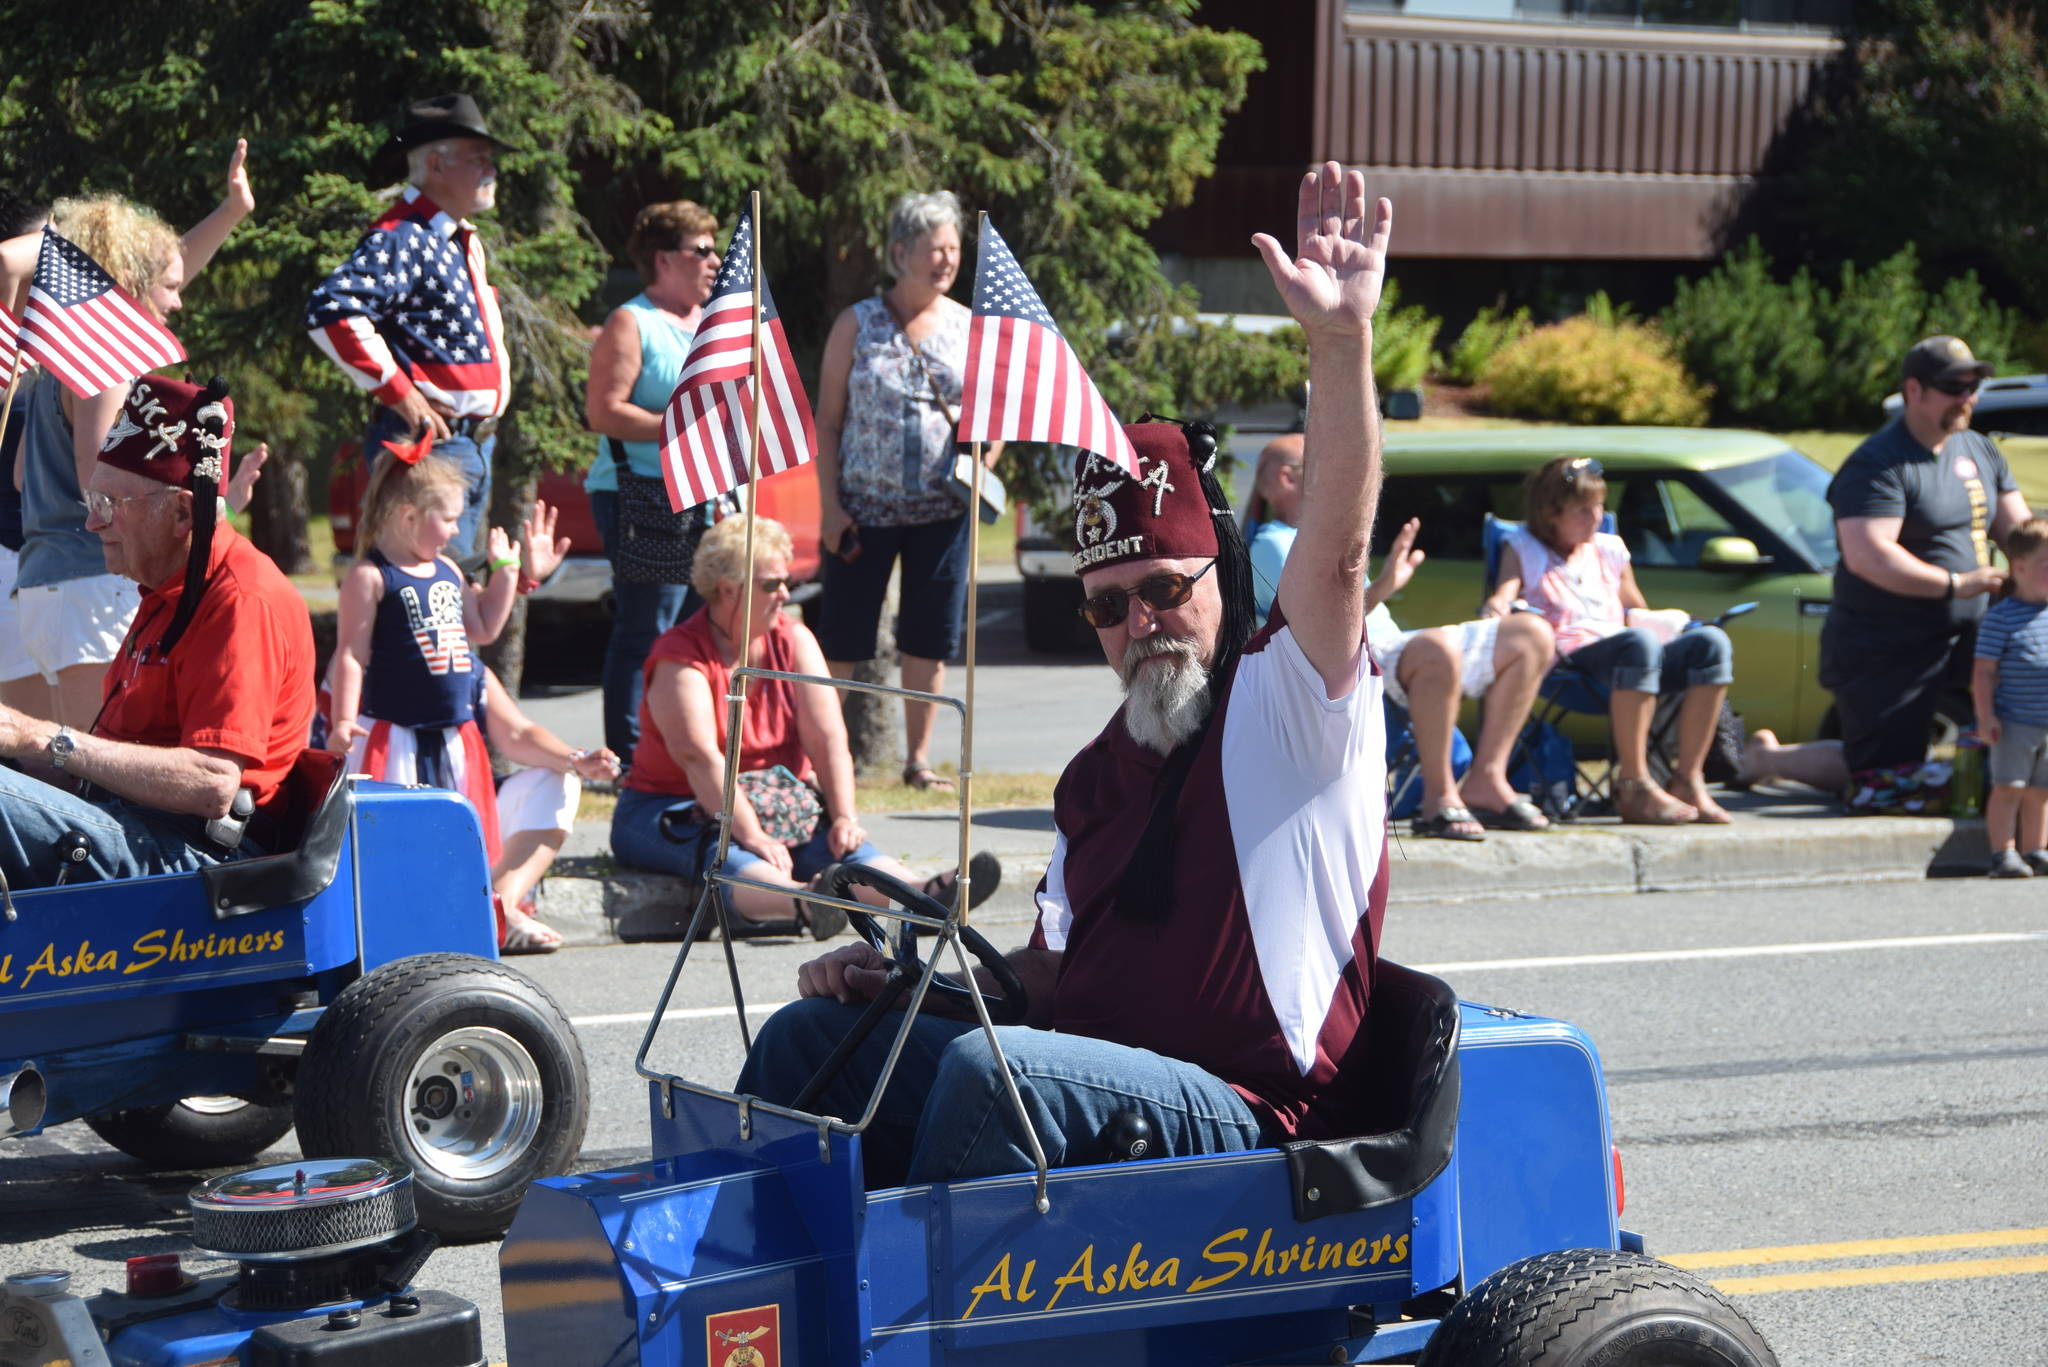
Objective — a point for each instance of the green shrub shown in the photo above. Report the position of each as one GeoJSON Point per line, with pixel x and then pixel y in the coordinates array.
{"type": "Point", "coordinates": [1755, 339]}
{"type": "Point", "coordinates": [1584, 371]}
{"type": "Point", "coordinates": [1792, 353]}
{"type": "Point", "coordinates": [1402, 341]}
{"type": "Point", "coordinates": [1481, 341]}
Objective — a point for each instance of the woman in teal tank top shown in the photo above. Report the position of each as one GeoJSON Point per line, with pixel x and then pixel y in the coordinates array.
{"type": "Point", "coordinates": [634, 365]}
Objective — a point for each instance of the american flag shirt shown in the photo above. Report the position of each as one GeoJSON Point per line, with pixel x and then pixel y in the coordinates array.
{"type": "Point", "coordinates": [411, 308]}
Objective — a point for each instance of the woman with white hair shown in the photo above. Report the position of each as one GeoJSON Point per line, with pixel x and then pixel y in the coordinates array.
{"type": "Point", "coordinates": [888, 402]}
{"type": "Point", "coordinates": [793, 809]}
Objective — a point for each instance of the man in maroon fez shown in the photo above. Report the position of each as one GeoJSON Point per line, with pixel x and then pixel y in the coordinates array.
{"type": "Point", "coordinates": [208, 703]}
{"type": "Point", "coordinates": [1210, 916]}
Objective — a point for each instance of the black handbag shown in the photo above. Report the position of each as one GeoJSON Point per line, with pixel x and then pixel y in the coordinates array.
{"type": "Point", "coordinates": [655, 544]}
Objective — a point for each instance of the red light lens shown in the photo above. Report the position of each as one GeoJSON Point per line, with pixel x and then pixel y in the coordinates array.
{"type": "Point", "coordinates": [1620, 1187]}
{"type": "Point", "coordinates": [156, 1274]}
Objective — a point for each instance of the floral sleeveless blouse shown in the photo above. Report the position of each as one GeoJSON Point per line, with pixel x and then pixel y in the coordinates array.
{"type": "Point", "coordinates": [896, 448]}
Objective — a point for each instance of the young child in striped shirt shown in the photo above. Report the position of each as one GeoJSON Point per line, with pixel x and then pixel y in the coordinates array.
{"type": "Point", "coordinates": [2009, 685]}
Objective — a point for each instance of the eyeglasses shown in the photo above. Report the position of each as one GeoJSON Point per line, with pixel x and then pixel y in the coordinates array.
{"type": "Point", "coordinates": [1956, 389]}
{"type": "Point", "coordinates": [702, 250]}
{"type": "Point", "coordinates": [1160, 592]}
{"type": "Point", "coordinates": [776, 585]}
{"type": "Point", "coordinates": [101, 508]}
{"type": "Point", "coordinates": [1585, 467]}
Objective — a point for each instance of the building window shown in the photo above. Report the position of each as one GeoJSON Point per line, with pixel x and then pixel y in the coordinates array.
{"type": "Point", "coordinates": [1710, 14]}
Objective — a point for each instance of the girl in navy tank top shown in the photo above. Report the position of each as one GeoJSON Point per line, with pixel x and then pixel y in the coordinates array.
{"type": "Point", "coordinates": [406, 682]}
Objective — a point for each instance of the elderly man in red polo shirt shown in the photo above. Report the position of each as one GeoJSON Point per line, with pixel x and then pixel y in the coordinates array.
{"type": "Point", "coordinates": [212, 693]}
{"type": "Point", "coordinates": [1208, 924]}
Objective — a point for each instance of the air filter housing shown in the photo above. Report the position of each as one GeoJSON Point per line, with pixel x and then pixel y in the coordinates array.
{"type": "Point", "coordinates": [297, 1211]}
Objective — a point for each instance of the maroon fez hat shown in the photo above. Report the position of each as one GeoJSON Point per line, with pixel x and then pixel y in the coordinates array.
{"type": "Point", "coordinates": [174, 432]}
{"type": "Point", "coordinates": [1162, 514]}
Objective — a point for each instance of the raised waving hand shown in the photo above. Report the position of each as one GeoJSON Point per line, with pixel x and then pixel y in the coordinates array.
{"type": "Point", "coordinates": [1332, 285]}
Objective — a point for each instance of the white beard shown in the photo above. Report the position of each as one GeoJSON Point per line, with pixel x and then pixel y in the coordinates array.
{"type": "Point", "coordinates": [1164, 703]}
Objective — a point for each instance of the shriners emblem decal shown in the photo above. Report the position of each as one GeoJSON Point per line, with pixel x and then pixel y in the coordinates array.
{"type": "Point", "coordinates": [744, 1338]}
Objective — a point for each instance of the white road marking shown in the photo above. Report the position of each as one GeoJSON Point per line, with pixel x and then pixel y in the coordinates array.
{"type": "Point", "coordinates": [1647, 956]}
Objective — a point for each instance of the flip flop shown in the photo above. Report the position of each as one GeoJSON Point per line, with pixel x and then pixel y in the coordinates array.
{"type": "Point", "coordinates": [1439, 826]}
{"type": "Point", "coordinates": [926, 779]}
{"type": "Point", "coordinates": [1519, 815]}
{"type": "Point", "coordinates": [524, 935]}
{"type": "Point", "coordinates": [984, 868]}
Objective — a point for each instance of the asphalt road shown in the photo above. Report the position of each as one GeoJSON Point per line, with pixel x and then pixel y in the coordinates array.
{"type": "Point", "coordinates": [1864, 1067]}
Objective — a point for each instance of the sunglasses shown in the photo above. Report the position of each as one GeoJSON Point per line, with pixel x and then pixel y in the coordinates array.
{"type": "Point", "coordinates": [772, 585]}
{"type": "Point", "coordinates": [1160, 592]}
{"type": "Point", "coordinates": [1585, 467]}
{"type": "Point", "coordinates": [700, 250]}
{"type": "Point", "coordinates": [1956, 389]}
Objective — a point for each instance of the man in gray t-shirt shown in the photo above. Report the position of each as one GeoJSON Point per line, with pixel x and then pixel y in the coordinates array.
{"type": "Point", "coordinates": [1918, 508]}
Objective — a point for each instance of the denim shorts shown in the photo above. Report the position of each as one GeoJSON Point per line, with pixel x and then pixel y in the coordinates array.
{"type": "Point", "coordinates": [637, 840]}
{"type": "Point", "coordinates": [932, 602]}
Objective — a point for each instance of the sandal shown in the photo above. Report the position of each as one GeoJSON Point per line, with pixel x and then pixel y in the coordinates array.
{"type": "Point", "coordinates": [519, 932]}
{"type": "Point", "coordinates": [926, 779]}
{"type": "Point", "coordinates": [1519, 815]}
{"type": "Point", "coordinates": [1439, 826]}
{"type": "Point", "coordinates": [1639, 802]}
{"type": "Point", "coordinates": [985, 872]}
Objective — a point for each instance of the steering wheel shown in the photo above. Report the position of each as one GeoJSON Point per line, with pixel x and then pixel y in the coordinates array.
{"type": "Point", "coordinates": [1007, 1009]}
{"type": "Point", "coordinates": [905, 967]}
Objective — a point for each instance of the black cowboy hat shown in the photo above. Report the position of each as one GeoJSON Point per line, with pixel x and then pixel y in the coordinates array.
{"type": "Point", "coordinates": [430, 120]}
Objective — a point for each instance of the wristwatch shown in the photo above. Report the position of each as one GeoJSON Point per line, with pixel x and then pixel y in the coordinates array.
{"type": "Point", "coordinates": [62, 747]}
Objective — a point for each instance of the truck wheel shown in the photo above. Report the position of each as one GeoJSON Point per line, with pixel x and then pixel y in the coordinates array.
{"type": "Point", "coordinates": [1594, 1306]}
{"type": "Point", "coordinates": [1052, 625]}
{"type": "Point", "coordinates": [198, 1132]}
{"type": "Point", "coordinates": [465, 1069]}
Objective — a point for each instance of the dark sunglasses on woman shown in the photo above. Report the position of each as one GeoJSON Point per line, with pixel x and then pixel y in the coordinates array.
{"type": "Point", "coordinates": [1160, 592]}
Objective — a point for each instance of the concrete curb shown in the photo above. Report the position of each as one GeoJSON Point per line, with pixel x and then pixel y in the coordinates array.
{"type": "Point", "coordinates": [1774, 842]}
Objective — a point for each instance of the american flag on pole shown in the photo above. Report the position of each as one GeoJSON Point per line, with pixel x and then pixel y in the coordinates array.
{"type": "Point", "coordinates": [86, 330]}
{"type": "Point", "coordinates": [10, 348]}
{"type": "Point", "coordinates": [705, 428]}
{"type": "Point", "coordinates": [1024, 383]}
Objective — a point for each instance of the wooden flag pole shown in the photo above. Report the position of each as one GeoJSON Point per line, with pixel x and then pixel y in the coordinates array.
{"type": "Point", "coordinates": [965, 885]}
{"type": "Point", "coordinates": [736, 696]}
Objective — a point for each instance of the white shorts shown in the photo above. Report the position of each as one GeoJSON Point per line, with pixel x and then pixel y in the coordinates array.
{"type": "Point", "coordinates": [14, 659]}
{"type": "Point", "coordinates": [1475, 647]}
{"type": "Point", "coordinates": [537, 800]}
{"type": "Point", "coordinates": [77, 622]}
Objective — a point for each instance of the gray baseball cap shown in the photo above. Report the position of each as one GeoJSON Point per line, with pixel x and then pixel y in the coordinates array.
{"type": "Point", "coordinates": [1940, 360]}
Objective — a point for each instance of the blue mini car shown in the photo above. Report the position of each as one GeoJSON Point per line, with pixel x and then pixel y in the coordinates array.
{"type": "Point", "coordinates": [1473, 1219]}
{"type": "Point", "coordinates": [349, 985]}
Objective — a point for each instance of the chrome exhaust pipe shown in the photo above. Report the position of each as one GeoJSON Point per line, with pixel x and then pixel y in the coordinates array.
{"type": "Point", "coordinates": [23, 1098]}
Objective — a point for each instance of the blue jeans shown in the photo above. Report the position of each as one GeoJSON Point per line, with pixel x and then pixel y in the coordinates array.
{"type": "Point", "coordinates": [1634, 660]}
{"type": "Point", "coordinates": [466, 452]}
{"type": "Point", "coordinates": [637, 840]}
{"type": "Point", "coordinates": [640, 613]}
{"type": "Point", "coordinates": [125, 840]}
{"type": "Point", "coordinates": [946, 1115]}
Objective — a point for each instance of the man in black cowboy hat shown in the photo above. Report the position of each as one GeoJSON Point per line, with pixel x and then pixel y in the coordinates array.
{"type": "Point", "coordinates": [212, 692]}
{"type": "Point", "coordinates": [411, 316]}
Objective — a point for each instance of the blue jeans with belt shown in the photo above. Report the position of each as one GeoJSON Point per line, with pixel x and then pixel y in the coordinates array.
{"type": "Point", "coordinates": [123, 838]}
{"type": "Point", "coordinates": [640, 613]}
{"type": "Point", "coordinates": [464, 450]}
{"type": "Point", "coordinates": [946, 1115]}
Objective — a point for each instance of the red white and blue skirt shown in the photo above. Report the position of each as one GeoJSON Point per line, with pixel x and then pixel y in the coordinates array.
{"type": "Point", "coordinates": [434, 756]}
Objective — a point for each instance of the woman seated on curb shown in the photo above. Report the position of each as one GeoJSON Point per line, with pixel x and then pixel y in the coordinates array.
{"type": "Point", "coordinates": [1580, 579]}
{"type": "Point", "coordinates": [794, 735]}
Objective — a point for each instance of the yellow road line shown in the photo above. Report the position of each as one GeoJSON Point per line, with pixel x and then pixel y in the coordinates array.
{"type": "Point", "coordinates": [1881, 1276]}
{"type": "Point", "coordinates": [1861, 1248]}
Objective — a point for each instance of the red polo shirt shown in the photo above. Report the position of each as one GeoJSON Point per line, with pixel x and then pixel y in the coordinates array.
{"type": "Point", "coordinates": [240, 680]}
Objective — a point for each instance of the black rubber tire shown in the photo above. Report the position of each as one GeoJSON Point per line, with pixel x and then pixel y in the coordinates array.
{"type": "Point", "coordinates": [178, 1136]}
{"type": "Point", "coordinates": [1052, 624]}
{"type": "Point", "coordinates": [1595, 1308]}
{"type": "Point", "coordinates": [354, 1095]}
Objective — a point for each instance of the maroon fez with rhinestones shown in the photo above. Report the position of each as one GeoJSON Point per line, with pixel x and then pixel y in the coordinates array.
{"type": "Point", "coordinates": [173, 432]}
{"type": "Point", "coordinates": [1161, 515]}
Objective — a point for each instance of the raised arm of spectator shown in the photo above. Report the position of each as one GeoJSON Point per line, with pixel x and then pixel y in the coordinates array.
{"type": "Point", "coordinates": [1332, 288]}
{"type": "Point", "coordinates": [1398, 567]}
{"type": "Point", "coordinates": [1871, 550]}
{"type": "Point", "coordinates": [238, 203]}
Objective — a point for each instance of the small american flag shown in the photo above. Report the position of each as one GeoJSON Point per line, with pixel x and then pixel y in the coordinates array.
{"type": "Point", "coordinates": [704, 430]}
{"type": "Point", "coordinates": [1024, 383]}
{"type": "Point", "coordinates": [10, 349]}
{"type": "Point", "coordinates": [86, 330]}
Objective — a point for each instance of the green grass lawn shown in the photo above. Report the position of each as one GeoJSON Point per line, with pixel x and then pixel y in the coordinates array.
{"type": "Point", "coordinates": [2028, 457]}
